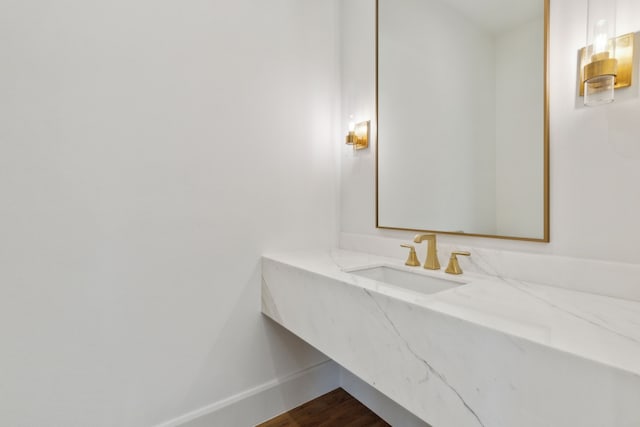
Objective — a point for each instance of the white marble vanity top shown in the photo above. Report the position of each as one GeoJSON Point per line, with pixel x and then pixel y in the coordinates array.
{"type": "Point", "coordinates": [493, 352]}
{"type": "Point", "coordinates": [598, 328]}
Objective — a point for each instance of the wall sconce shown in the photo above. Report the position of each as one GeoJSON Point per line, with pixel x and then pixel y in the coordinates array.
{"type": "Point", "coordinates": [606, 63]}
{"type": "Point", "coordinates": [358, 135]}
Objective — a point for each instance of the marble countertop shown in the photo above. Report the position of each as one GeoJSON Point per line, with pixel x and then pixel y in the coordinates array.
{"type": "Point", "coordinates": [598, 328]}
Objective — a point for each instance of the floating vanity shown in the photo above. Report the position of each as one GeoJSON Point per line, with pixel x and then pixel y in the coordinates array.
{"type": "Point", "coordinates": [468, 350]}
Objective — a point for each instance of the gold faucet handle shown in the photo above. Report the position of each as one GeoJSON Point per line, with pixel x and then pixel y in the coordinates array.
{"type": "Point", "coordinates": [454, 266]}
{"type": "Point", "coordinates": [413, 258]}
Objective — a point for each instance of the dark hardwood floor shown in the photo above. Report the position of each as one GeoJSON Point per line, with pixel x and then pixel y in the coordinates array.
{"type": "Point", "coordinates": [335, 409]}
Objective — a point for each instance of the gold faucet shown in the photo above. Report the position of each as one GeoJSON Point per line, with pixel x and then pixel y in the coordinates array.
{"type": "Point", "coordinates": [454, 266]}
{"type": "Point", "coordinates": [431, 263]}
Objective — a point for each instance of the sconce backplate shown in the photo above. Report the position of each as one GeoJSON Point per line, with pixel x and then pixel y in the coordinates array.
{"type": "Point", "coordinates": [624, 55]}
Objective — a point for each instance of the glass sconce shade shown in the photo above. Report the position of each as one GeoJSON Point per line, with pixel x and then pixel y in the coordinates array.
{"type": "Point", "coordinates": [599, 90]}
{"type": "Point", "coordinates": [600, 67]}
{"type": "Point", "coordinates": [351, 136]}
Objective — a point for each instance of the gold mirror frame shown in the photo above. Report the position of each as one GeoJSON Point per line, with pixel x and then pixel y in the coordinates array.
{"type": "Point", "coordinates": [546, 237]}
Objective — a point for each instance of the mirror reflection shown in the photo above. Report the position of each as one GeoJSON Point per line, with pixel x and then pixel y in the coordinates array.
{"type": "Point", "coordinates": [462, 138]}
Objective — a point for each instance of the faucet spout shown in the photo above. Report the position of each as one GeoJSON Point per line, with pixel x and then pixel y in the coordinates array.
{"type": "Point", "coordinates": [431, 263]}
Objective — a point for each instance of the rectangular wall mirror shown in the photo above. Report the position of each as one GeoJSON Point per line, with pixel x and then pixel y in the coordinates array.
{"type": "Point", "coordinates": [462, 106]}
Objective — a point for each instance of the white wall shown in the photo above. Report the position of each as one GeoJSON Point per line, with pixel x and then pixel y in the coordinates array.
{"type": "Point", "coordinates": [150, 152]}
{"type": "Point", "coordinates": [595, 153]}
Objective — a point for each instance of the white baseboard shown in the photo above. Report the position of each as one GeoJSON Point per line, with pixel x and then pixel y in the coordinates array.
{"type": "Point", "coordinates": [272, 398]}
{"type": "Point", "coordinates": [383, 407]}
{"type": "Point", "coordinates": [265, 401]}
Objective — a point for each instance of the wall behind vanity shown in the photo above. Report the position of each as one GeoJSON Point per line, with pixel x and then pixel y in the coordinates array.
{"type": "Point", "coordinates": [595, 152]}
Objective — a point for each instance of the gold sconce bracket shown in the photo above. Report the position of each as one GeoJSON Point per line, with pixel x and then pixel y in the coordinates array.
{"type": "Point", "coordinates": [623, 70]}
{"type": "Point", "coordinates": [359, 137]}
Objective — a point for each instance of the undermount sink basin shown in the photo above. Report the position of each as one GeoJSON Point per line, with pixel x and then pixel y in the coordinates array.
{"type": "Point", "coordinates": [417, 280]}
